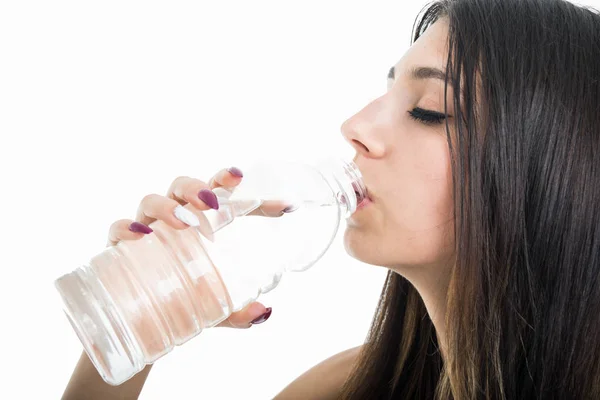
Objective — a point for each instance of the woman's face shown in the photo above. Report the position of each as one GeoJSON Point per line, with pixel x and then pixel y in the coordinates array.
{"type": "Point", "coordinates": [405, 164]}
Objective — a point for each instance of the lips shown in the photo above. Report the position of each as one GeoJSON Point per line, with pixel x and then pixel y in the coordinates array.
{"type": "Point", "coordinates": [361, 196]}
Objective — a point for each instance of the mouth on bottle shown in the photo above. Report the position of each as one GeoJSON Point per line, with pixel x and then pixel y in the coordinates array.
{"type": "Point", "coordinates": [361, 193]}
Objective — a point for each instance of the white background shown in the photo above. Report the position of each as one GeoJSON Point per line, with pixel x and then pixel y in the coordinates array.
{"type": "Point", "coordinates": [104, 102]}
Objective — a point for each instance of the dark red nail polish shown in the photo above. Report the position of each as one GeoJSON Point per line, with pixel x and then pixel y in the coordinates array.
{"type": "Point", "coordinates": [138, 227]}
{"type": "Point", "coordinates": [235, 172]}
{"type": "Point", "coordinates": [290, 209]}
{"type": "Point", "coordinates": [263, 317]}
{"type": "Point", "coordinates": [209, 198]}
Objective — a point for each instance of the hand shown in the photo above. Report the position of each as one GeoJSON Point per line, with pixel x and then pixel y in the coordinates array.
{"type": "Point", "coordinates": [186, 191]}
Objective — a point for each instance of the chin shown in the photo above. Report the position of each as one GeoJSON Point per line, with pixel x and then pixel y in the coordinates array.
{"type": "Point", "coordinates": [362, 246]}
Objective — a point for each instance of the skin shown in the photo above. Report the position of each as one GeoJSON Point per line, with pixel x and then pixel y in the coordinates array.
{"type": "Point", "coordinates": [407, 226]}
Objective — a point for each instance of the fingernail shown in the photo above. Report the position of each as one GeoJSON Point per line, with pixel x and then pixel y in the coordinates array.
{"type": "Point", "coordinates": [209, 198]}
{"type": "Point", "coordinates": [138, 227]}
{"type": "Point", "coordinates": [236, 172]}
{"type": "Point", "coordinates": [263, 317]}
{"type": "Point", "coordinates": [186, 216]}
{"type": "Point", "coordinates": [289, 209]}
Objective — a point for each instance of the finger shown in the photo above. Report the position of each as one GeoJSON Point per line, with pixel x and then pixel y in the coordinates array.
{"type": "Point", "coordinates": [186, 190]}
{"type": "Point", "coordinates": [126, 229]}
{"type": "Point", "coordinates": [229, 177]}
{"type": "Point", "coordinates": [154, 206]}
{"type": "Point", "coordinates": [274, 208]}
{"type": "Point", "coordinates": [254, 313]}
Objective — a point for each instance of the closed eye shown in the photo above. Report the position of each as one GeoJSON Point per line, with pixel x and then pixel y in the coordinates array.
{"type": "Point", "coordinates": [427, 117]}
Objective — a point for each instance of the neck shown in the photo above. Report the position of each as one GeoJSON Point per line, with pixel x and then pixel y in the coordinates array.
{"type": "Point", "coordinates": [431, 283]}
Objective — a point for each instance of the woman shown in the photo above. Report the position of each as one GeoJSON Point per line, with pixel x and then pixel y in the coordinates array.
{"type": "Point", "coordinates": [485, 207]}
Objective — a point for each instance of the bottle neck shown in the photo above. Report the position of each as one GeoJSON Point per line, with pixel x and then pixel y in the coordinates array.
{"type": "Point", "coordinates": [345, 179]}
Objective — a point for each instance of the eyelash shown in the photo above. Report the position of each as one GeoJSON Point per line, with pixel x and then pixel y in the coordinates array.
{"type": "Point", "coordinates": [426, 117]}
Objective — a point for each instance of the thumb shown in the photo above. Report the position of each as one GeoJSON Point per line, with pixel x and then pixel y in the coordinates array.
{"type": "Point", "coordinates": [254, 313]}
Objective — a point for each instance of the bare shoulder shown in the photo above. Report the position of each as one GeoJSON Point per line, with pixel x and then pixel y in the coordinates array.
{"type": "Point", "coordinates": [324, 380]}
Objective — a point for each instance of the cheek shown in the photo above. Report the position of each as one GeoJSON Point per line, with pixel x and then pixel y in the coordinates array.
{"type": "Point", "coordinates": [424, 220]}
{"type": "Point", "coordinates": [425, 235]}
{"type": "Point", "coordinates": [414, 223]}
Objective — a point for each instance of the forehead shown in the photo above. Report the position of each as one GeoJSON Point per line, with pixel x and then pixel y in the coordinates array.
{"type": "Point", "coordinates": [430, 49]}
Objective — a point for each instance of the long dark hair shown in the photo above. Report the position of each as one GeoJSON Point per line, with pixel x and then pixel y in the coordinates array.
{"type": "Point", "coordinates": [523, 306]}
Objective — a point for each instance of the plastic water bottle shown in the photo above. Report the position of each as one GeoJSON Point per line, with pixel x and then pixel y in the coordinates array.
{"type": "Point", "coordinates": [133, 302]}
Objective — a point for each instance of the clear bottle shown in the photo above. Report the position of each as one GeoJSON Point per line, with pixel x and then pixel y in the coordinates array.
{"type": "Point", "coordinates": [133, 302]}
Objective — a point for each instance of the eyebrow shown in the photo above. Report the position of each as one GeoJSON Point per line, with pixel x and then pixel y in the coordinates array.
{"type": "Point", "coordinates": [421, 73]}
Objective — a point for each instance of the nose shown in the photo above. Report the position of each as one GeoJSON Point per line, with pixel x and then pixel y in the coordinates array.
{"type": "Point", "coordinates": [364, 133]}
